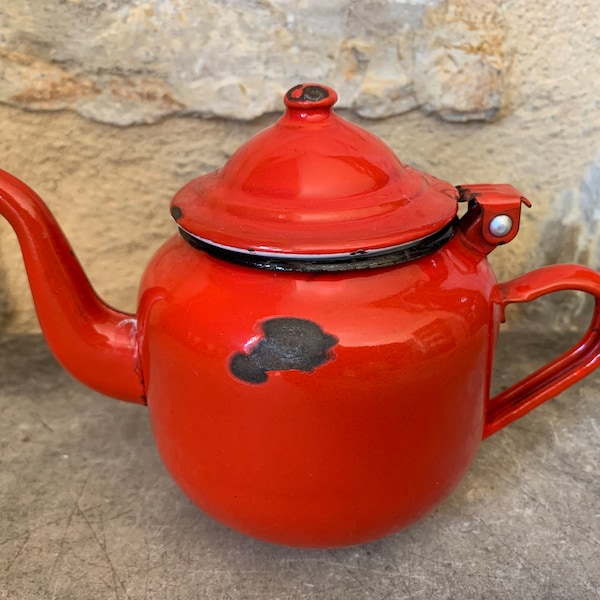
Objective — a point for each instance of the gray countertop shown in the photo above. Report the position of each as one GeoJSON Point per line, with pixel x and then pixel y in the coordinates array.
{"type": "Point", "coordinates": [87, 510]}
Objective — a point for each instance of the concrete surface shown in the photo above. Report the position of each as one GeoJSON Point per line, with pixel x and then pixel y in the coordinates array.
{"type": "Point", "coordinates": [88, 512]}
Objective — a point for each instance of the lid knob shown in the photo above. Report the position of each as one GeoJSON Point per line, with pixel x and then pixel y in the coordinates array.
{"type": "Point", "coordinates": [310, 99]}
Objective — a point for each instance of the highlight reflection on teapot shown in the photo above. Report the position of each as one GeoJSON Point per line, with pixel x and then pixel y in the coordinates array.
{"type": "Point", "coordinates": [314, 344]}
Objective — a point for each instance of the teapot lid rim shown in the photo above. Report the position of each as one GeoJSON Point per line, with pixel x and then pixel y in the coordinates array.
{"type": "Point", "coordinates": [385, 257]}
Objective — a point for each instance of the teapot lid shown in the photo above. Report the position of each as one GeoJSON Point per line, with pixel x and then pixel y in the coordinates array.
{"type": "Point", "coordinates": [313, 185]}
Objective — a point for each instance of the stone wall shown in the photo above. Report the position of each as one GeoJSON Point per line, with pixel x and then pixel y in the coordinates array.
{"type": "Point", "coordinates": [107, 108]}
{"type": "Point", "coordinates": [140, 60]}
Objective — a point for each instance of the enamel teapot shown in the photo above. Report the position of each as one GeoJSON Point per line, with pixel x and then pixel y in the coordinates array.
{"type": "Point", "coordinates": [315, 343]}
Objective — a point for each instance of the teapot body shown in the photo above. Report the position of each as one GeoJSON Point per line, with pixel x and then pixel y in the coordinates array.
{"type": "Point", "coordinates": [317, 409]}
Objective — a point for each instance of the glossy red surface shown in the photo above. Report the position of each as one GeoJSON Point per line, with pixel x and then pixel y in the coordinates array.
{"type": "Point", "coordinates": [314, 183]}
{"type": "Point", "coordinates": [359, 447]}
{"type": "Point", "coordinates": [566, 369]}
{"type": "Point", "coordinates": [310, 409]}
{"type": "Point", "coordinates": [94, 342]}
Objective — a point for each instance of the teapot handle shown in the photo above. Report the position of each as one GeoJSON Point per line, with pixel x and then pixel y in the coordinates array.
{"type": "Point", "coordinates": [563, 371]}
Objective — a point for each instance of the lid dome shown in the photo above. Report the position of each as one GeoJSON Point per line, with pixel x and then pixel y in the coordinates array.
{"type": "Point", "coordinates": [313, 185]}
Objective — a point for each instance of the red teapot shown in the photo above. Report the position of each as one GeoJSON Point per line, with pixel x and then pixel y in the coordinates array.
{"type": "Point", "coordinates": [315, 342]}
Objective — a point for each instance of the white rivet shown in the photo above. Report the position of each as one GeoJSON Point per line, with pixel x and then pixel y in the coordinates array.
{"type": "Point", "coordinates": [500, 225]}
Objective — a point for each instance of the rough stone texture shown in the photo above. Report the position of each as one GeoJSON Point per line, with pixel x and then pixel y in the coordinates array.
{"type": "Point", "coordinates": [572, 234]}
{"type": "Point", "coordinates": [88, 511]}
{"type": "Point", "coordinates": [137, 61]}
{"type": "Point", "coordinates": [576, 210]}
{"type": "Point", "coordinates": [110, 186]}
{"type": "Point", "coordinates": [460, 63]}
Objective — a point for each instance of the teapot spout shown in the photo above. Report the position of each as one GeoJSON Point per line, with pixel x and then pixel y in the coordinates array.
{"type": "Point", "coordinates": [97, 344]}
